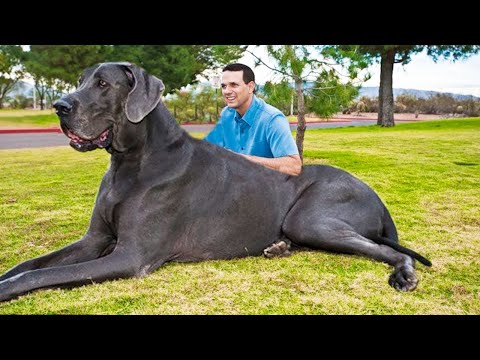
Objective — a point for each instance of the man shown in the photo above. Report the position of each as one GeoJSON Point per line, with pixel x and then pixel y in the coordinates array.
{"type": "Point", "coordinates": [251, 127]}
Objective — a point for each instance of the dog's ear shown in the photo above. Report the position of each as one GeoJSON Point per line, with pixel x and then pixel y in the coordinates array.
{"type": "Point", "coordinates": [145, 94]}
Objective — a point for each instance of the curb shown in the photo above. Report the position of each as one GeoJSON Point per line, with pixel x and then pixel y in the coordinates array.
{"type": "Point", "coordinates": [30, 130]}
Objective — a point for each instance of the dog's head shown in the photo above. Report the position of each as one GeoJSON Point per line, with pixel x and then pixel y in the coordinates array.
{"type": "Point", "coordinates": [110, 99]}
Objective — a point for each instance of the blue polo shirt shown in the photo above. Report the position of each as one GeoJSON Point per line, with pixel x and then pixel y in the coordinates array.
{"type": "Point", "coordinates": [262, 131]}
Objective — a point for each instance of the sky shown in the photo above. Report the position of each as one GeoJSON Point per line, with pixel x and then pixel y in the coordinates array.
{"type": "Point", "coordinates": [422, 73]}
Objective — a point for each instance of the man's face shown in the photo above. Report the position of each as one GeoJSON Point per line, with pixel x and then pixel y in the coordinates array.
{"type": "Point", "coordinates": [236, 93]}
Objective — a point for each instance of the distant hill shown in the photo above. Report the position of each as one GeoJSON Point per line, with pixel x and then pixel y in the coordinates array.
{"type": "Point", "coordinates": [372, 91]}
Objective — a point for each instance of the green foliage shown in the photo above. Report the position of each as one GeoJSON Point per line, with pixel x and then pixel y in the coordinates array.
{"type": "Point", "coordinates": [181, 105]}
{"type": "Point", "coordinates": [199, 104]}
{"type": "Point", "coordinates": [279, 95]}
{"type": "Point", "coordinates": [329, 96]}
{"type": "Point", "coordinates": [176, 65]}
{"type": "Point", "coordinates": [455, 52]}
{"type": "Point", "coordinates": [208, 104]}
{"type": "Point", "coordinates": [337, 74]}
{"type": "Point", "coordinates": [403, 53]}
{"type": "Point", "coordinates": [221, 55]}
{"type": "Point", "coordinates": [61, 65]}
{"type": "Point", "coordinates": [291, 60]}
{"type": "Point", "coordinates": [56, 68]}
{"type": "Point", "coordinates": [10, 69]}
{"type": "Point", "coordinates": [10, 57]}
{"type": "Point", "coordinates": [328, 64]}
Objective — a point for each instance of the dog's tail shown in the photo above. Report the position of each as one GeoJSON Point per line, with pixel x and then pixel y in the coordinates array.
{"type": "Point", "coordinates": [403, 249]}
{"type": "Point", "coordinates": [390, 238]}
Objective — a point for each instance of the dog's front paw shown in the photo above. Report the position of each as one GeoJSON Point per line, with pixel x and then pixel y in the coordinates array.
{"type": "Point", "coordinates": [278, 249]}
{"type": "Point", "coordinates": [403, 278]}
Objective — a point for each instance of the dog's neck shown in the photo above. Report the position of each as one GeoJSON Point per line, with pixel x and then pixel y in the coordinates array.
{"type": "Point", "coordinates": [163, 131]}
{"type": "Point", "coordinates": [157, 145]}
{"type": "Point", "coordinates": [158, 131]}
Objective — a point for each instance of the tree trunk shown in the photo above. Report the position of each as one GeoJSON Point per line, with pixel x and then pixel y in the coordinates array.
{"type": "Point", "coordinates": [216, 103]}
{"type": "Point", "coordinates": [385, 93]}
{"type": "Point", "coordinates": [301, 125]}
{"type": "Point", "coordinates": [380, 104]}
{"type": "Point", "coordinates": [41, 94]}
{"type": "Point", "coordinates": [5, 89]}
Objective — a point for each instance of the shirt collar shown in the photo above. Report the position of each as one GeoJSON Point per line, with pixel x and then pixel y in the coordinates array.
{"type": "Point", "coordinates": [249, 116]}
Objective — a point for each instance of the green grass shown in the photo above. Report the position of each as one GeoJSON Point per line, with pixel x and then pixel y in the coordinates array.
{"type": "Point", "coordinates": [427, 173]}
{"type": "Point", "coordinates": [28, 118]}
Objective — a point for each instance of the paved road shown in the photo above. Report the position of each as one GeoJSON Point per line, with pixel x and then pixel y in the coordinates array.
{"type": "Point", "coordinates": [32, 140]}
{"type": "Point", "coordinates": [22, 140]}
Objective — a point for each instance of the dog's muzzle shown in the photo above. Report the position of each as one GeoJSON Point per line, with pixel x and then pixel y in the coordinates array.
{"type": "Point", "coordinates": [62, 107]}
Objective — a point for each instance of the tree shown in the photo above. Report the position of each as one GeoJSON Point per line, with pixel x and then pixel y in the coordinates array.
{"type": "Point", "coordinates": [328, 97]}
{"type": "Point", "coordinates": [182, 104]}
{"type": "Point", "coordinates": [279, 95]}
{"type": "Point", "coordinates": [176, 65]}
{"type": "Point", "coordinates": [332, 68]}
{"type": "Point", "coordinates": [220, 55]}
{"type": "Point", "coordinates": [388, 55]}
{"type": "Point", "coordinates": [56, 68]}
{"type": "Point", "coordinates": [11, 70]}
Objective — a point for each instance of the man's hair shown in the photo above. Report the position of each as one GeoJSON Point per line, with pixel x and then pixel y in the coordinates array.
{"type": "Point", "coordinates": [248, 74]}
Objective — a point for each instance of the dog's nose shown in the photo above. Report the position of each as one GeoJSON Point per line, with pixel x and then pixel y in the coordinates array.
{"type": "Point", "coordinates": [62, 107]}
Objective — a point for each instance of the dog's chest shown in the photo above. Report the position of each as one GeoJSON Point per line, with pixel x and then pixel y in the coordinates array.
{"type": "Point", "coordinates": [114, 194]}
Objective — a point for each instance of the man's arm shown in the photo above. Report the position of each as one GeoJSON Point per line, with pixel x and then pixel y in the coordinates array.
{"type": "Point", "coordinates": [291, 164]}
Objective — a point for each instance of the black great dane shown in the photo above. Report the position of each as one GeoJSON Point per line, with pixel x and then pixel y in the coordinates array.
{"type": "Point", "coordinates": [170, 197]}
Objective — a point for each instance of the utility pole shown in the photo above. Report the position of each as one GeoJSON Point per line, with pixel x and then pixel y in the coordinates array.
{"type": "Point", "coordinates": [216, 85]}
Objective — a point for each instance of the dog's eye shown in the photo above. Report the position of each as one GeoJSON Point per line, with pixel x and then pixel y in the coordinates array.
{"type": "Point", "coordinates": [102, 83]}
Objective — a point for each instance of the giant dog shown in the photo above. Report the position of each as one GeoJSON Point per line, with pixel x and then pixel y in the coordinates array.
{"type": "Point", "coordinates": [170, 197]}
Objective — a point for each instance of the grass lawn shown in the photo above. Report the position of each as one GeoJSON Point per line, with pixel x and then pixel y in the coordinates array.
{"type": "Point", "coordinates": [427, 173]}
{"type": "Point", "coordinates": [28, 118]}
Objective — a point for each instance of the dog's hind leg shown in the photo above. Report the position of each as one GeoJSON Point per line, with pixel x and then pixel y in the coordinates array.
{"type": "Point", "coordinates": [337, 236]}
